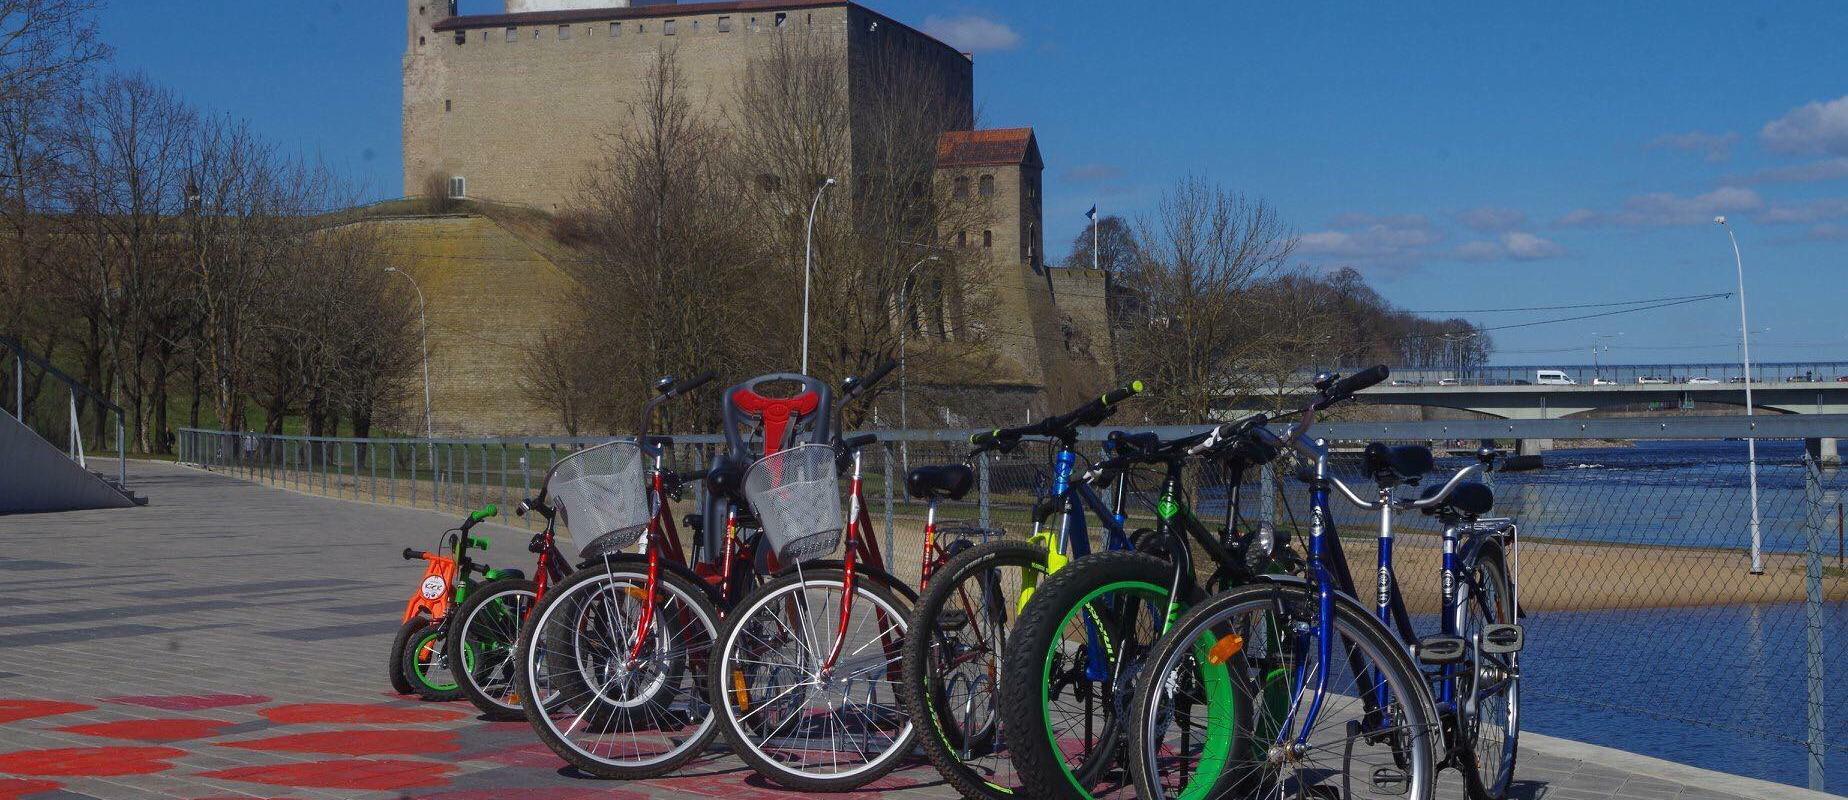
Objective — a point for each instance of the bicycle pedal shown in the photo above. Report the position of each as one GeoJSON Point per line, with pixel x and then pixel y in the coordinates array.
{"type": "Point", "coordinates": [1502, 639]}
{"type": "Point", "coordinates": [1441, 649]}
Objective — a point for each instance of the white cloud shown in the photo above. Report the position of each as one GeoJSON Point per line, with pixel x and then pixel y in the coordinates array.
{"type": "Point", "coordinates": [1490, 219]}
{"type": "Point", "coordinates": [1829, 232]}
{"type": "Point", "coordinates": [1715, 147]}
{"type": "Point", "coordinates": [1666, 208]}
{"type": "Point", "coordinates": [1816, 127]}
{"type": "Point", "coordinates": [1367, 239]}
{"type": "Point", "coordinates": [1828, 169]}
{"type": "Point", "coordinates": [1510, 246]}
{"type": "Point", "coordinates": [1091, 173]}
{"type": "Point", "coordinates": [1805, 212]}
{"type": "Point", "coordinates": [971, 33]}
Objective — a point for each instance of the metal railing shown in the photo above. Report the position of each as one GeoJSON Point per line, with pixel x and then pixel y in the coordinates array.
{"type": "Point", "coordinates": [1723, 371]}
{"type": "Point", "coordinates": [57, 423]}
{"type": "Point", "coordinates": [1646, 629]}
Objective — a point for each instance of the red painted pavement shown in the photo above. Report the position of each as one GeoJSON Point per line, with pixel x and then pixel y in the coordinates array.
{"type": "Point", "coordinates": [383, 775]}
{"type": "Point", "coordinates": [90, 762]}
{"type": "Point", "coordinates": [357, 743]}
{"type": "Point", "coordinates": [151, 730]}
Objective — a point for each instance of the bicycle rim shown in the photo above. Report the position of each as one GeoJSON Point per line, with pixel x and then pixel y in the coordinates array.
{"type": "Point", "coordinates": [608, 707]}
{"type": "Point", "coordinates": [1494, 729]}
{"type": "Point", "coordinates": [779, 703]}
{"type": "Point", "coordinates": [487, 637]}
{"type": "Point", "coordinates": [963, 671]}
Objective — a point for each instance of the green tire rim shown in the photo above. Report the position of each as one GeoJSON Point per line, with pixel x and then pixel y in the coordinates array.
{"type": "Point", "coordinates": [432, 643]}
{"type": "Point", "coordinates": [1220, 697]}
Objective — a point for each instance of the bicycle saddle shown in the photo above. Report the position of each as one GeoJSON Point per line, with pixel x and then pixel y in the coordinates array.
{"type": "Point", "coordinates": [949, 482]}
{"type": "Point", "coordinates": [1469, 500]}
{"type": "Point", "coordinates": [1395, 465]}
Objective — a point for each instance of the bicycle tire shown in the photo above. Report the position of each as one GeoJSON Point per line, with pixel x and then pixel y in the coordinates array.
{"type": "Point", "coordinates": [1135, 583]}
{"type": "Point", "coordinates": [1486, 575]}
{"type": "Point", "coordinates": [980, 771]}
{"type": "Point", "coordinates": [395, 669]}
{"type": "Point", "coordinates": [487, 673]}
{"type": "Point", "coordinates": [548, 686]}
{"type": "Point", "coordinates": [1220, 757]}
{"type": "Point", "coordinates": [735, 684]}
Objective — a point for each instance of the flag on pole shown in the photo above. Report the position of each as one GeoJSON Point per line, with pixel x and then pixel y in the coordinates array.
{"type": "Point", "coordinates": [1092, 214]}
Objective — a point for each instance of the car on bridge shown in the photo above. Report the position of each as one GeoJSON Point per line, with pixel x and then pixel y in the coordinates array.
{"type": "Point", "coordinates": [1650, 379]}
{"type": "Point", "coordinates": [1553, 377]}
{"type": "Point", "coordinates": [1702, 380]}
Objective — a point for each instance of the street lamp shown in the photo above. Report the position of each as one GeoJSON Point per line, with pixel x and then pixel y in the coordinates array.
{"type": "Point", "coordinates": [904, 327]}
{"type": "Point", "coordinates": [1458, 340]}
{"type": "Point", "coordinates": [424, 324]}
{"type": "Point", "coordinates": [1596, 369]}
{"type": "Point", "coordinates": [808, 258]}
{"type": "Point", "coordinates": [1745, 357]}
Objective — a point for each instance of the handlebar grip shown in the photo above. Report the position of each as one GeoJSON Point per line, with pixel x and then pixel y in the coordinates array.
{"type": "Point", "coordinates": [485, 512]}
{"type": "Point", "coordinates": [1360, 380]}
{"type": "Point", "coordinates": [1116, 396]}
{"type": "Point", "coordinates": [853, 443]}
{"type": "Point", "coordinates": [985, 438]}
{"type": "Point", "coordinates": [875, 376]}
{"type": "Point", "coordinates": [412, 555]}
{"type": "Point", "coordinates": [694, 382]}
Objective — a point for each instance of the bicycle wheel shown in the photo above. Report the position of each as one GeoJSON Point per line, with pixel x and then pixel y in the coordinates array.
{"type": "Point", "coordinates": [795, 723]}
{"type": "Point", "coordinates": [400, 683]}
{"type": "Point", "coordinates": [1493, 731]}
{"type": "Point", "coordinates": [1066, 675]}
{"type": "Point", "coordinates": [485, 629]}
{"type": "Point", "coordinates": [601, 703]}
{"type": "Point", "coordinates": [952, 664]}
{"type": "Point", "coordinates": [1374, 732]}
{"type": "Point", "coordinates": [427, 665]}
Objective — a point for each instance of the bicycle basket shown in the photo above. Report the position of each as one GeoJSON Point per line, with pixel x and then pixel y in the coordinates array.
{"type": "Point", "coordinates": [602, 493]}
{"type": "Point", "coordinates": [796, 494]}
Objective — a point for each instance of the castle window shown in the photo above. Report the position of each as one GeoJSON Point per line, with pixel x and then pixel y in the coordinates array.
{"type": "Point", "coordinates": [667, 27]}
{"type": "Point", "coordinates": [987, 186]}
{"type": "Point", "coordinates": [961, 186]}
{"type": "Point", "coordinates": [564, 32]}
{"type": "Point", "coordinates": [988, 238]}
{"type": "Point", "coordinates": [641, 27]}
{"type": "Point", "coordinates": [751, 25]}
{"type": "Point", "coordinates": [458, 187]}
{"type": "Point", "coordinates": [461, 37]}
{"type": "Point", "coordinates": [724, 24]}
{"type": "Point", "coordinates": [695, 26]}
{"type": "Point", "coordinates": [962, 238]}
{"type": "Point", "coordinates": [513, 34]}
{"type": "Point", "coordinates": [420, 41]}
{"type": "Point", "coordinates": [447, 105]}
{"type": "Point", "coordinates": [615, 29]}
{"type": "Point", "coordinates": [781, 18]}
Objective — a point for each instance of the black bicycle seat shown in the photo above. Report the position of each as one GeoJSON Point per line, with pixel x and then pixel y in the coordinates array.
{"type": "Point", "coordinates": [1403, 464]}
{"type": "Point", "coordinates": [948, 482]}
{"type": "Point", "coordinates": [1470, 500]}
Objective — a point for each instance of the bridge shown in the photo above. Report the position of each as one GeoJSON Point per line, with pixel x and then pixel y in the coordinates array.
{"type": "Point", "coordinates": [1556, 401]}
{"type": "Point", "coordinates": [1723, 371]}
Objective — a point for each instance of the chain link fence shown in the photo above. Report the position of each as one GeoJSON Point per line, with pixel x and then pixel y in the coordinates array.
{"type": "Point", "coordinates": [1647, 630]}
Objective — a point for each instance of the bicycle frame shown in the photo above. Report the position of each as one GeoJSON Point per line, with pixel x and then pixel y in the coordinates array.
{"type": "Point", "coordinates": [860, 548]}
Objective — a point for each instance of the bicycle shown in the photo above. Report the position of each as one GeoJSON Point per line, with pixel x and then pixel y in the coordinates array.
{"type": "Point", "coordinates": [1358, 706]}
{"type": "Point", "coordinates": [611, 662]}
{"type": "Point", "coordinates": [951, 675]}
{"type": "Point", "coordinates": [808, 661]}
{"type": "Point", "coordinates": [420, 662]}
{"type": "Point", "coordinates": [1079, 640]}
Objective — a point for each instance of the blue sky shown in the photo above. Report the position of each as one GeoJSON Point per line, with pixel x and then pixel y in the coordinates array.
{"type": "Point", "coordinates": [1463, 156]}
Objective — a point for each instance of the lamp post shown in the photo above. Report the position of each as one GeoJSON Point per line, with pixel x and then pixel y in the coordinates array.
{"type": "Point", "coordinates": [1596, 369]}
{"type": "Point", "coordinates": [1745, 357]}
{"type": "Point", "coordinates": [423, 324]}
{"type": "Point", "coordinates": [904, 327]}
{"type": "Point", "coordinates": [1458, 340]}
{"type": "Point", "coordinates": [808, 260]}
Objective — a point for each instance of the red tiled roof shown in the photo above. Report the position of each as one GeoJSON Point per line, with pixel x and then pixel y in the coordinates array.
{"type": "Point", "coordinates": [996, 147]}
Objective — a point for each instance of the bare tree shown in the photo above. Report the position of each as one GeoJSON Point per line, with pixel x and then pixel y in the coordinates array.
{"type": "Point", "coordinates": [1204, 249]}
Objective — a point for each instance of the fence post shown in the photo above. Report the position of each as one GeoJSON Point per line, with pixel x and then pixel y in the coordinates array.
{"type": "Point", "coordinates": [1812, 611]}
{"type": "Point", "coordinates": [984, 491]}
{"type": "Point", "coordinates": [1267, 495]}
{"type": "Point", "coordinates": [121, 452]}
{"type": "Point", "coordinates": [891, 541]}
{"type": "Point", "coordinates": [414, 475]}
{"type": "Point", "coordinates": [19, 387]}
{"type": "Point", "coordinates": [526, 479]}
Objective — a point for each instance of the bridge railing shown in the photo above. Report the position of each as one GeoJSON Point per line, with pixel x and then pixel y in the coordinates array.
{"type": "Point", "coordinates": [1647, 629]}
{"type": "Point", "coordinates": [1724, 372]}
{"type": "Point", "coordinates": [57, 416]}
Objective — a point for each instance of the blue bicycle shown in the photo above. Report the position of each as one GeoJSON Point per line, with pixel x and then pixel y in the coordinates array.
{"type": "Point", "coordinates": [1335, 699]}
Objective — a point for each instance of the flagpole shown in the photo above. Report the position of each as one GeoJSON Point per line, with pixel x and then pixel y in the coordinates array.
{"type": "Point", "coordinates": [1093, 237]}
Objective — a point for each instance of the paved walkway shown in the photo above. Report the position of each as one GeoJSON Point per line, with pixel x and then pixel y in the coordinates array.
{"type": "Point", "coordinates": [229, 640]}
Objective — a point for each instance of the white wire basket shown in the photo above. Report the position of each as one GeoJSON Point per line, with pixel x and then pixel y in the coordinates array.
{"type": "Point", "coordinates": [602, 493]}
{"type": "Point", "coordinates": [796, 494]}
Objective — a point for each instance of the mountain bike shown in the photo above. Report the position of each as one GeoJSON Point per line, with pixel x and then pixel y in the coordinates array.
{"type": "Point", "coordinates": [808, 662]}
{"type": "Point", "coordinates": [952, 666]}
{"type": "Point", "coordinates": [1361, 716]}
{"type": "Point", "coordinates": [420, 660]}
{"type": "Point", "coordinates": [1079, 640]}
{"type": "Point", "coordinates": [611, 663]}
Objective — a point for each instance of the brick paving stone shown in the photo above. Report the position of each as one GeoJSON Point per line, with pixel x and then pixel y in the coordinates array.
{"type": "Point", "coordinates": [227, 602]}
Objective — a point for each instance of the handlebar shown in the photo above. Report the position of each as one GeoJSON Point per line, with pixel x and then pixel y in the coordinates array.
{"type": "Point", "coordinates": [1348, 386]}
{"type": "Point", "coordinates": [692, 383]}
{"type": "Point", "coordinates": [411, 554]}
{"type": "Point", "coordinates": [1064, 426]}
{"type": "Point", "coordinates": [672, 389]}
{"type": "Point", "coordinates": [858, 386]}
{"type": "Point", "coordinates": [1229, 431]}
{"type": "Point", "coordinates": [1442, 494]}
{"type": "Point", "coordinates": [479, 515]}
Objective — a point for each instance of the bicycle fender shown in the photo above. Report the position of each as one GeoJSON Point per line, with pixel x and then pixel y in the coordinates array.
{"type": "Point", "coordinates": [1340, 596]}
{"type": "Point", "coordinates": [910, 594]}
{"type": "Point", "coordinates": [1474, 546]}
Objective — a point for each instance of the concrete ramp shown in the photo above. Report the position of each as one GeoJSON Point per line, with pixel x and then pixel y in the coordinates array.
{"type": "Point", "coordinates": [37, 476]}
